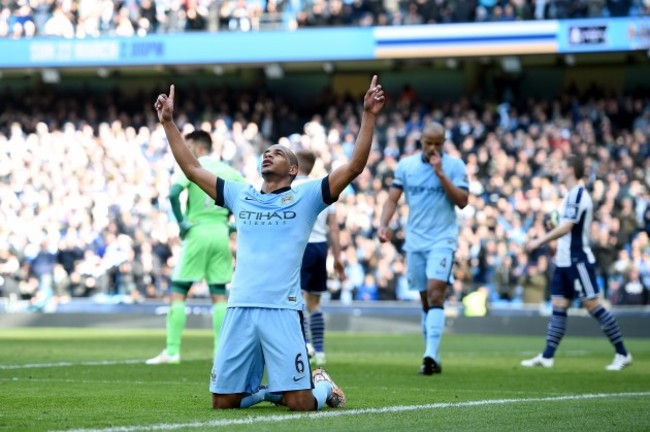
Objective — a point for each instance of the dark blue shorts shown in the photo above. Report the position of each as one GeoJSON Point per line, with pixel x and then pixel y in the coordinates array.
{"type": "Point", "coordinates": [575, 282]}
{"type": "Point", "coordinates": [313, 274]}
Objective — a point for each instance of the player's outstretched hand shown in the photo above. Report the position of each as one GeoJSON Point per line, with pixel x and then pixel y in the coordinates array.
{"type": "Point", "coordinates": [164, 106]}
{"type": "Point", "coordinates": [374, 100]}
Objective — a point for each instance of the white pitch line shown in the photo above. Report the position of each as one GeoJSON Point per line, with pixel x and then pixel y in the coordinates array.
{"type": "Point", "coordinates": [88, 363]}
{"type": "Point", "coordinates": [329, 413]}
{"type": "Point", "coordinates": [68, 364]}
{"type": "Point", "coordinates": [76, 381]}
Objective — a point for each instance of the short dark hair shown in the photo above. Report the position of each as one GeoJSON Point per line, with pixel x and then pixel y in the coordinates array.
{"type": "Point", "coordinates": [306, 160]}
{"type": "Point", "coordinates": [200, 137]}
{"type": "Point", "coordinates": [577, 164]}
{"type": "Point", "coordinates": [434, 127]}
{"type": "Point", "coordinates": [293, 159]}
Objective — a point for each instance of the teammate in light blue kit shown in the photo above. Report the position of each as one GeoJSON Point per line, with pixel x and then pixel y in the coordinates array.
{"type": "Point", "coordinates": [262, 325]}
{"type": "Point", "coordinates": [434, 184]}
{"type": "Point", "coordinates": [574, 275]}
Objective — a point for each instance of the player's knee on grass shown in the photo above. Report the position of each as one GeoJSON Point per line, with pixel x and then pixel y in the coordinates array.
{"type": "Point", "coordinates": [220, 401]}
{"type": "Point", "coordinates": [302, 400]}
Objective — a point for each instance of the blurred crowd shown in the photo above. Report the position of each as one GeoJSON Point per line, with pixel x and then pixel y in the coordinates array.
{"type": "Point", "coordinates": [92, 18]}
{"type": "Point", "coordinates": [84, 180]}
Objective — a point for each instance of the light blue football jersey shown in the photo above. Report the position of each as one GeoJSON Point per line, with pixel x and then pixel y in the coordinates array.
{"type": "Point", "coordinates": [431, 220]}
{"type": "Point", "coordinates": [272, 233]}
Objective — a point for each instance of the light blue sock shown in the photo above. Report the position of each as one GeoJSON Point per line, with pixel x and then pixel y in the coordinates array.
{"type": "Point", "coordinates": [435, 326]}
{"type": "Point", "coordinates": [322, 390]}
{"type": "Point", "coordinates": [272, 397]}
{"type": "Point", "coordinates": [423, 320]}
{"type": "Point", "coordinates": [253, 399]}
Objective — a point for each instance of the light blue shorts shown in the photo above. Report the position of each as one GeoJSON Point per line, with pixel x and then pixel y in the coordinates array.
{"type": "Point", "coordinates": [435, 264]}
{"type": "Point", "coordinates": [251, 338]}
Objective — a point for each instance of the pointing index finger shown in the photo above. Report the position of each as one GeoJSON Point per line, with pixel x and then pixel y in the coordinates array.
{"type": "Point", "coordinates": [171, 91]}
{"type": "Point", "coordinates": [373, 83]}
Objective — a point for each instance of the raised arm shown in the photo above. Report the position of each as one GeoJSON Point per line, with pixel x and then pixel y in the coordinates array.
{"type": "Point", "coordinates": [373, 102]}
{"type": "Point", "coordinates": [190, 165]}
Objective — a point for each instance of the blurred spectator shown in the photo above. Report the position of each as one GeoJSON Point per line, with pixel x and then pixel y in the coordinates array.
{"type": "Point", "coordinates": [535, 282]}
{"type": "Point", "coordinates": [59, 24]}
{"type": "Point", "coordinates": [69, 253]}
{"type": "Point", "coordinates": [368, 290]}
{"type": "Point", "coordinates": [605, 251]}
{"type": "Point", "coordinates": [239, 16]}
{"type": "Point", "coordinates": [505, 281]}
{"type": "Point", "coordinates": [42, 267]}
{"type": "Point", "coordinates": [627, 221]}
{"type": "Point", "coordinates": [632, 291]}
{"type": "Point", "coordinates": [61, 284]}
{"type": "Point", "coordinates": [196, 17]}
{"type": "Point", "coordinates": [9, 273]}
{"type": "Point", "coordinates": [619, 8]}
{"type": "Point", "coordinates": [147, 271]}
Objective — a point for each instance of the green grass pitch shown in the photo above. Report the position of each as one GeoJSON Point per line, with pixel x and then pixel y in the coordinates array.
{"type": "Point", "coordinates": [96, 380]}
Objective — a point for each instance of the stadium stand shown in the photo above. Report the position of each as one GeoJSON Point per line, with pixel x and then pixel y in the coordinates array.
{"type": "Point", "coordinates": [85, 213]}
{"type": "Point", "coordinates": [89, 18]}
{"type": "Point", "coordinates": [85, 170]}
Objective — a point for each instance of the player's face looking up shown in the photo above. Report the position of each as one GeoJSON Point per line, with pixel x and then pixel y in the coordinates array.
{"type": "Point", "coordinates": [278, 160]}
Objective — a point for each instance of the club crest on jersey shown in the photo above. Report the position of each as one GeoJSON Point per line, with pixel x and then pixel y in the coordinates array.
{"type": "Point", "coordinates": [287, 199]}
